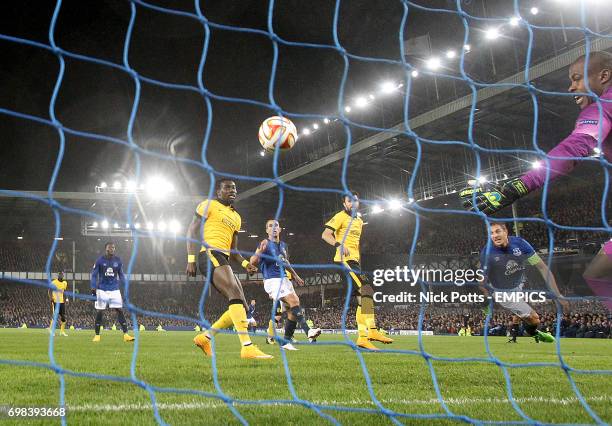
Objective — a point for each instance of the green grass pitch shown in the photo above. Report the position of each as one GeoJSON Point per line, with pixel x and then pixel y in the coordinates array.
{"type": "Point", "coordinates": [323, 374]}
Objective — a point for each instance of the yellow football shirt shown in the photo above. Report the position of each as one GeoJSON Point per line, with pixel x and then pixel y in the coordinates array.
{"type": "Point", "coordinates": [58, 295]}
{"type": "Point", "coordinates": [342, 225]}
{"type": "Point", "coordinates": [221, 222]}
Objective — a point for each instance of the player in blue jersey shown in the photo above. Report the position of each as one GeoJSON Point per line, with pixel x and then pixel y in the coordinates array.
{"type": "Point", "coordinates": [273, 261]}
{"type": "Point", "coordinates": [106, 275]}
{"type": "Point", "coordinates": [251, 323]}
{"type": "Point", "coordinates": [504, 268]}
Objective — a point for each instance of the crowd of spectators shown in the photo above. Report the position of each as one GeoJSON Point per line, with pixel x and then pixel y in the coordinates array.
{"type": "Point", "coordinates": [19, 256]}
{"type": "Point", "coordinates": [26, 304]}
{"type": "Point", "coordinates": [440, 234]}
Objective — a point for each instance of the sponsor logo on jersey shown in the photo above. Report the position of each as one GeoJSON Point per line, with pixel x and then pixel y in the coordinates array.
{"type": "Point", "coordinates": [229, 223]}
{"type": "Point", "coordinates": [513, 267]}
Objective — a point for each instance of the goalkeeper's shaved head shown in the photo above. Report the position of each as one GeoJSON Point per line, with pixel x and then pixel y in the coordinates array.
{"type": "Point", "coordinates": [598, 78]}
{"type": "Point", "coordinates": [597, 61]}
{"type": "Point", "coordinates": [599, 74]}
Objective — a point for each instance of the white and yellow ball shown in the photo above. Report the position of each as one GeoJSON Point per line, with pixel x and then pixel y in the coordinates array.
{"type": "Point", "coordinates": [277, 131]}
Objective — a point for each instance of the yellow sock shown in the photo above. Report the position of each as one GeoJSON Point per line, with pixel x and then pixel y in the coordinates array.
{"type": "Point", "coordinates": [271, 329]}
{"type": "Point", "coordinates": [240, 322]}
{"type": "Point", "coordinates": [362, 329]}
{"type": "Point", "coordinates": [370, 321]}
{"type": "Point", "coordinates": [50, 324]}
{"type": "Point", "coordinates": [224, 321]}
{"type": "Point", "coordinates": [62, 326]}
{"type": "Point", "coordinates": [367, 309]}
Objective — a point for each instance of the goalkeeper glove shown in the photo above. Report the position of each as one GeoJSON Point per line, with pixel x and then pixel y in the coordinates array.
{"type": "Point", "coordinates": [493, 197]}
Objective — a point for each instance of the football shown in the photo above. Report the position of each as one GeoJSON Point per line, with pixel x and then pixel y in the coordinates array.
{"type": "Point", "coordinates": [277, 131]}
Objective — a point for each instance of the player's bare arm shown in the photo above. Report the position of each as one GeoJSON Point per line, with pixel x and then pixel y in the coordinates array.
{"type": "Point", "coordinates": [237, 257]}
{"type": "Point", "coordinates": [192, 244]}
{"type": "Point", "coordinates": [329, 237]}
{"type": "Point", "coordinates": [296, 277]}
{"type": "Point", "coordinates": [254, 260]}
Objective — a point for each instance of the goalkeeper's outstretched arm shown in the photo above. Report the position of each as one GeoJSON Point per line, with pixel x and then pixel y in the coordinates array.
{"type": "Point", "coordinates": [589, 138]}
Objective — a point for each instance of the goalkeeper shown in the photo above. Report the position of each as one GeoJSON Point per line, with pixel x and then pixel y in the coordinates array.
{"type": "Point", "coordinates": [591, 137]}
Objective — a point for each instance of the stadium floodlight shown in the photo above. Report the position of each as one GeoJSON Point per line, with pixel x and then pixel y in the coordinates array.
{"type": "Point", "coordinates": [20, 237]}
{"type": "Point", "coordinates": [137, 225]}
{"type": "Point", "coordinates": [361, 102]}
{"type": "Point", "coordinates": [371, 97]}
{"type": "Point", "coordinates": [59, 238]}
{"type": "Point", "coordinates": [377, 209]}
{"type": "Point", "coordinates": [388, 87]}
{"type": "Point", "coordinates": [415, 73]}
{"type": "Point", "coordinates": [410, 200]}
{"type": "Point", "coordinates": [434, 63]}
{"type": "Point", "coordinates": [451, 54]}
{"type": "Point", "coordinates": [162, 226]}
{"type": "Point", "coordinates": [104, 224]}
{"type": "Point", "coordinates": [116, 225]}
{"type": "Point", "coordinates": [315, 126]}
{"type": "Point", "coordinates": [534, 10]}
{"type": "Point", "coordinates": [467, 48]}
{"type": "Point", "coordinates": [536, 164]}
{"type": "Point", "coordinates": [131, 186]}
{"type": "Point", "coordinates": [175, 226]}
{"type": "Point", "coordinates": [326, 120]}
{"type": "Point", "coordinates": [514, 21]}
{"type": "Point", "coordinates": [117, 185]}
{"type": "Point", "coordinates": [291, 234]}
{"type": "Point", "coordinates": [127, 226]}
{"type": "Point", "coordinates": [347, 108]}
{"type": "Point", "coordinates": [482, 179]}
{"type": "Point", "coordinates": [158, 187]}
{"type": "Point", "coordinates": [94, 225]}
{"type": "Point", "coordinates": [492, 33]}
{"type": "Point", "coordinates": [242, 230]}
{"type": "Point", "coordinates": [253, 236]}
{"type": "Point", "coordinates": [103, 185]}
{"type": "Point", "coordinates": [150, 226]}
{"type": "Point", "coordinates": [306, 131]}
{"type": "Point", "coordinates": [395, 204]}
{"type": "Point", "coordinates": [262, 153]}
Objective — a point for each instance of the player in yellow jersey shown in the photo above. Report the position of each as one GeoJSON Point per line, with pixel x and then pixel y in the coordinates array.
{"type": "Point", "coordinates": [56, 294]}
{"type": "Point", "coordinates": [219, 236]}
{"type": "Point", "coordinates": [343, 231]}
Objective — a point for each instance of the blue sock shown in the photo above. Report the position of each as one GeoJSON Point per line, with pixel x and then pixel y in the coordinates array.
{"type": "Point", "coordinates": [289, 329]}
{"type": "Point", "coordinates": [299, 318]}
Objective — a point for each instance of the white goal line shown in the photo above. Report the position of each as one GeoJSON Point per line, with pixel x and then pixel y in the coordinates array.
{"type": "Point", "coordinates": [194, 405]}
